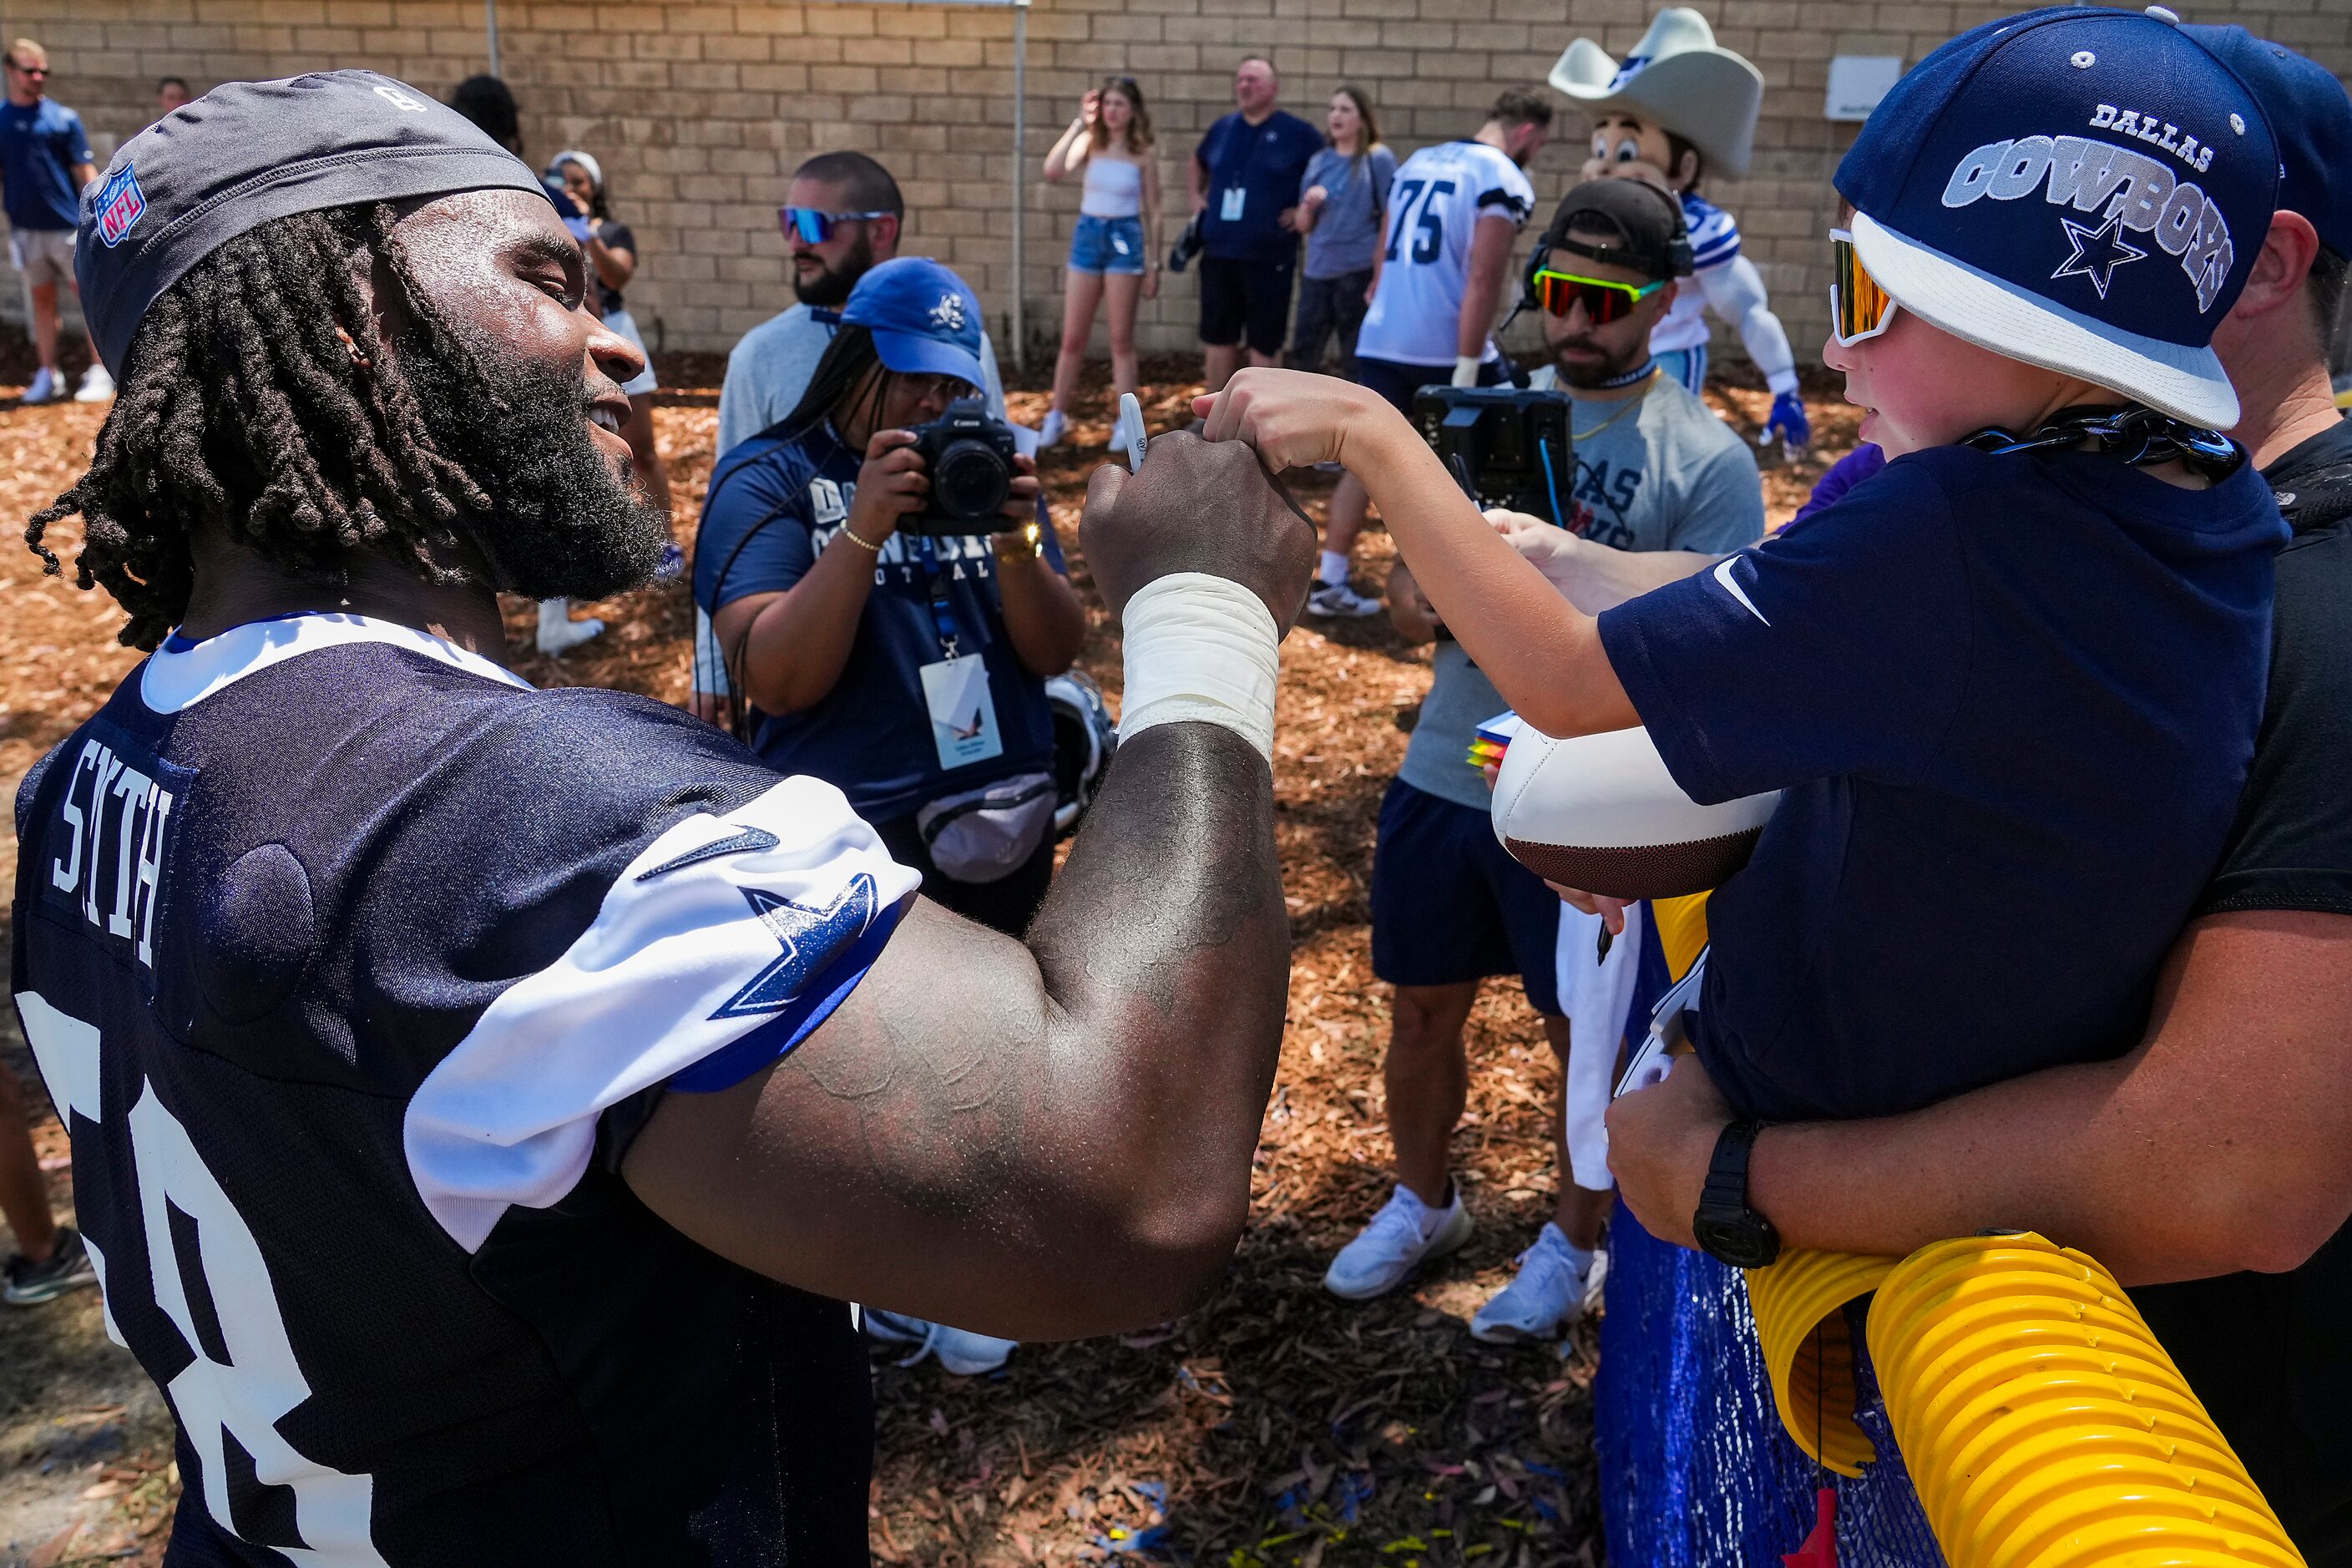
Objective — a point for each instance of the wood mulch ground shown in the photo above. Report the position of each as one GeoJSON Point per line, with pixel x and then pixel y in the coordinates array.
{"type": "Point", "coordinates": [1275, 1426]}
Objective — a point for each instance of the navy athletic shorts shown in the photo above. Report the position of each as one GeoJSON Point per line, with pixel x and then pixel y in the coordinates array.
{"type": "Point", "coordinates": [1397, 381]}
{"type": "Point", "coordinates": [1449, 904]}
{"type": "Point", "coordinates": [1245, 301]}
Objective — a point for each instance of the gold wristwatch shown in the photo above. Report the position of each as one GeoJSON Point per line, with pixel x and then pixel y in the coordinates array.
{"type": "Point", "coordinates": [1031, 545]}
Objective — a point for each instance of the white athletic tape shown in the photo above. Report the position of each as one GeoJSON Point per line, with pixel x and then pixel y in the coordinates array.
{"type": "Point", "coordinates": [1201, 648]}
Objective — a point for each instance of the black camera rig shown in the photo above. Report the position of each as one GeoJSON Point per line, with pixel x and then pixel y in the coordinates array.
{"type": "Point", "coordinates": [1505, 445]}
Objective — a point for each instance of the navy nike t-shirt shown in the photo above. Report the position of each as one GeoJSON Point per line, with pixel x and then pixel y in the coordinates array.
{"type": "Point", "coordinates": [775, 502]}
{"type": "Point", "coordinates": [2011, 701]}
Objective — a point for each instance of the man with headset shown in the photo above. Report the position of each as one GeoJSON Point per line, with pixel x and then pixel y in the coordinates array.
{"type": "Point", "coordinates": [1651, 468]}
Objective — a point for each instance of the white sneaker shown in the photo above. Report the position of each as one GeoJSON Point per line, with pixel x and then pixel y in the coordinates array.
{"type": "Point", "coordinates": [1548, 1295]}
{"type": "Point", "coordinates": [97, 386]}
{"type": "Point", "coordinates": [1051, 436]}
{"type": "Point", "coordinates": [44, 387]}
{"type": "Point", "coordinates": [558, 631]}
{"type": "Point", "coordinates": [961, 1351]}
{"type": "Point", "coordinates": [1405, 1234]}
{"type": "Point", "coordinates": [1341, 601]}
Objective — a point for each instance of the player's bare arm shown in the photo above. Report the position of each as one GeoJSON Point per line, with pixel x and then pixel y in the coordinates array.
{"type": "Point", "coordinates": [1544, 655]}
{"type": "Point", "coordinates": [1490, 260]}
{"type": "Point", "coordinates": [1046, 1139]}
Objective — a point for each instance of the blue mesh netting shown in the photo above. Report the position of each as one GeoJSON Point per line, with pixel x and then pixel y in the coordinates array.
{"type": "Point", "coordinates": [1696, 1470]}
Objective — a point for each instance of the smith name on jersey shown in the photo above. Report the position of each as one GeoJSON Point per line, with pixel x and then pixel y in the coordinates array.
{"type": "Point", "coordinates": [353, 964]}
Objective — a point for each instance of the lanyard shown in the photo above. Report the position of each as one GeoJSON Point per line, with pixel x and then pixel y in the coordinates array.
{"type": "Point", "coordinates": [943, 620]}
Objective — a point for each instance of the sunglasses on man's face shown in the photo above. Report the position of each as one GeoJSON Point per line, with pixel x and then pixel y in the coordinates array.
{"type": "Point", "coordinates": [1603, 300]}
{"type": "Point", "coordinates": [814, 227]}
{"type": "Point", "coordinates": [1859, 308]}
{"type": "Point", "coordinates": [28, 70]}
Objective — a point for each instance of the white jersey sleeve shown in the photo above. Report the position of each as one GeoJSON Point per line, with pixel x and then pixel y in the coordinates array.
{"type": "Point", "coordinates": [1434, 206]}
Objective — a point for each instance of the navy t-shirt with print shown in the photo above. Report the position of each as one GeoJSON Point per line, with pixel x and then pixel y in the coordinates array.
{"type": "Point", "coordinates": [1263, 162]}
{"type": "Point", "coordinates": [40, 145]}
{"type": "Point", "coordinates": [2011, 701]}
{"type": "Point", "coordinates": [774, 503]}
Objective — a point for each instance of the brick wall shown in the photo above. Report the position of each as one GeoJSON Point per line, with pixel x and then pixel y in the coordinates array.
{"type": "Point", "coordinates": [699, 112]}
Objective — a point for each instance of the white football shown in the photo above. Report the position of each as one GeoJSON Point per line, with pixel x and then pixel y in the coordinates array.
{"type": "Point", "coordinates": [1600, 813]}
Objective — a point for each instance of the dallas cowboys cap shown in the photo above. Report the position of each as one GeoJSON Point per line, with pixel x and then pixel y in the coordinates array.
{"type": "Point", "coordinates": [924, 318]}
{"type": "Point", "coordinates": [2312, 119]}
{"type": "Point", "coordinates": [248, 151]}
{"type": "Point", "coordinates": [2079, 188]}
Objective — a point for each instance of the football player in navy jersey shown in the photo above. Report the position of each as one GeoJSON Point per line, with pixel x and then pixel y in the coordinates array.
{"type": "Point", "coordinates": [485, 1101]}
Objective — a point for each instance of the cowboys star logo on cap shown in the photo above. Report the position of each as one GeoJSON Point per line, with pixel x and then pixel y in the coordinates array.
{"type": "Point", "coordinates": [2081, 188]}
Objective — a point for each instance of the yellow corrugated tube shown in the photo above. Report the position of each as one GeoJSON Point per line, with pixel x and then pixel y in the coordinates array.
{"type": "Point", "coordinates": [2042, 1424]}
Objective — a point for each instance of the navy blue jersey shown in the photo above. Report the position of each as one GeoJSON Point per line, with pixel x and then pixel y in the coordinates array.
{"type": "Point", "coordinates": [41, 145]}
{"type": "Point", "coordinates": [2011, 701]}
{"type": "Point", "coordinates": [353, 965]}
{"type": "Point", "coordinates": [775, 503]}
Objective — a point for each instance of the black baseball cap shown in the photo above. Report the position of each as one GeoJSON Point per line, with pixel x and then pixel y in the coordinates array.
{"type": "Point", "coordinates": [248, 151]}
{"type": "Point", "coordinates": [1648, 223]}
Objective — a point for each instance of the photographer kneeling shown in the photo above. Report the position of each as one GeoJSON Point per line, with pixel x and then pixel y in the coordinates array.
{"type": "Point", "coordinates": [872, 645]}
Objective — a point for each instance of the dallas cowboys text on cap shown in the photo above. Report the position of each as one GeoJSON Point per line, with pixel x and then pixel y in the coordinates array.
{"type": "Point", "coordinates": [248, 151]}
{"type": "Point", "coordinates": [2080, 187]}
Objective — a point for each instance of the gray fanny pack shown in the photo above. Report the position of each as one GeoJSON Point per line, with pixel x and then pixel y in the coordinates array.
{"type": "Point", "coordinates": [987, 834]}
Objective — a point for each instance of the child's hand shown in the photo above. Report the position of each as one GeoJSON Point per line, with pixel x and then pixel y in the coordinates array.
{"type": "Point", "coordinates": [1295, 420]}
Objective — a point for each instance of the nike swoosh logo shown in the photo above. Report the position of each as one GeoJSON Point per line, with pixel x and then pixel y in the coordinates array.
{"type": "Point", "coordinates": [742, 841]}
{"type": "Point", "coordinates": [1731, 586]}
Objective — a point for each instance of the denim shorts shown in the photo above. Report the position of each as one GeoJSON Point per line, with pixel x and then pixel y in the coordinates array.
{"type": "Point", "coordinates": [1107, 245]}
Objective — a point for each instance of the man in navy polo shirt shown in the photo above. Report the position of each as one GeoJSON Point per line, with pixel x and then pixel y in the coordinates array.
{"type": "Point", "coordinates": [45, 161]}
{"type": "Point", "coordinates": [1244, 178]}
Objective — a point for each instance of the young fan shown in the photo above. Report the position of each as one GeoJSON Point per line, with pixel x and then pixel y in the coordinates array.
{"type": "Point", "coordinates": [2010, 686]}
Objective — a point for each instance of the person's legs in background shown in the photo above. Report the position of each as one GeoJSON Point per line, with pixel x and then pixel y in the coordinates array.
{"type": "Point", "coordinates": [50, 1258]}
{"type": "Point", "coordinates": [1224, 312]}
{"type": "Point", "coordinates": [1082, 293]}
{"type": "Point", "coordinates": [41, 305]}
{"type": "Point", "coordinates": [1351, 297]}
{"type": "Point", "coordinates": [1316, 300]}
{"type": "Point", "coordinates": [1267, 298]}
{"type": "Point", "coordinates": [1123, 293]}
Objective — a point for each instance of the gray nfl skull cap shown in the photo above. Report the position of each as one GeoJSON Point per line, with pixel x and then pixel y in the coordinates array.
{"type": "Point", "coordinates": [248, 151]}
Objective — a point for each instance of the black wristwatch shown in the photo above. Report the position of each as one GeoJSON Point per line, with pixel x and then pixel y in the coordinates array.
{"type": "Point", "coordinates": [1725, 1227]}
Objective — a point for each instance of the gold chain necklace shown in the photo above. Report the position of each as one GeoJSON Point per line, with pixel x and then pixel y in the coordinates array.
{"type": "Point", "coordinates": [1575, 435]}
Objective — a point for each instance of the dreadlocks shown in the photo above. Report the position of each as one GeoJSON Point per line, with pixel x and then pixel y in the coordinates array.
{"type": "Point", "coordinates": [242, 407]}
{"type": "Point", "coordinates": [255, 402]}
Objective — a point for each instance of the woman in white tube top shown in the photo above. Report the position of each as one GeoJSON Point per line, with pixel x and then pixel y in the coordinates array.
{"type": "Point", "coordinates": [1115, 249]}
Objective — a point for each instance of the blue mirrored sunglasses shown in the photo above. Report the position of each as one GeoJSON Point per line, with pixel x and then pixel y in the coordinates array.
{"type": "Point", "coordinates": [816, 228]}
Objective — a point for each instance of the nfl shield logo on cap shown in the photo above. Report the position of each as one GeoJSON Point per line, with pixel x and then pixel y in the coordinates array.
{"type": "Point", "coordinates": [120, 204]}
{"type": "Point", "coordinates": [2078, 188]}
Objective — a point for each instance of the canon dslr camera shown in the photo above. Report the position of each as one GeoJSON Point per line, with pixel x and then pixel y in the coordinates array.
{"type": "Point", "coordinates": [969, 456]}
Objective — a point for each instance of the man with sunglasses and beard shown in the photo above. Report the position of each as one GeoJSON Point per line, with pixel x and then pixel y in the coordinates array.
{"type": "Point", "coordinates": [841, 216]}
{"type": "Point", "coordinates": [1651, 469]}
{"type": "Point", "coordinates": [485, 1102]}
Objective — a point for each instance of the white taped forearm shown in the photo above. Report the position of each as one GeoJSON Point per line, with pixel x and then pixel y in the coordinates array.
{"type": "Point", "coordinates": [1736, 292]}
{"type": "Point", "coordinates": [1201, 649]}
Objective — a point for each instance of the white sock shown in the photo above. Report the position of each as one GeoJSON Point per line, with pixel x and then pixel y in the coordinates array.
{"type": "Point", "coordinates": [1330, 567]}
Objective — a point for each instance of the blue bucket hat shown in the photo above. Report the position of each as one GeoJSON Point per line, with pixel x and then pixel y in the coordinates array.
{"type": "Point", "coordinates": [2079, 188]}
{"type": "Point", "coordinates": [248, 151]}
{"type": "Point", "coordinates": [2311, 118]}
{"type": "Point", "coordinates": [924, 318]}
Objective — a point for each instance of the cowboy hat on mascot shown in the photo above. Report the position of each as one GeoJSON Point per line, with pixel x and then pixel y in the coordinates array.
{"type": "Point", "coordinates": [1676, 108]}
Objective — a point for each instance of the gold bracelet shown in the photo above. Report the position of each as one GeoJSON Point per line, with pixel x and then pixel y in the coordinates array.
{"type": "Point", "coordinates": [852, 534]}
{"type": "Point", "coordinates": [1034, 537]}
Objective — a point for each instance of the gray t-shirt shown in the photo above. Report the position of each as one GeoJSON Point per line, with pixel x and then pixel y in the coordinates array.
{"type": "Point", "coordinates": [766, 373]}
{"type": "Point", "coordinates": [1347, 231]}
{"type": "Point", "coordinates": [1672, 476]}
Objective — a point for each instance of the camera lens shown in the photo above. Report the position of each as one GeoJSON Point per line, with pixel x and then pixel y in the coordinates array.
{"type": "Point", "coordinates": [970, 481]}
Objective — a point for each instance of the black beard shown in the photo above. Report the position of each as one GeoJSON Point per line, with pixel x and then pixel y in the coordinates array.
{"type": "Point", "coordinates": [561, 524]}
{"type": "Point", "coordinates": [1606, 370]}
{"type": "Point", "coordinates": [829, 290]}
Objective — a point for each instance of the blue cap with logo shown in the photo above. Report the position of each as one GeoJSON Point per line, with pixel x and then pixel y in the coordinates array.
{"type": "Point", "coordinates": [924, 318]}
{"type": "Point", "coordinates": [2077, 187]}
{"type": "Point", "coordinates": [2312, 119]}
{"type": "Point", "coordinates": [248, 151]}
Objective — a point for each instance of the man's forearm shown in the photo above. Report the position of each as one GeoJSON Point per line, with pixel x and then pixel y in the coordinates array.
{"type": "Point", "coordinates": [2222, 1143]}
{"type": "Point", "coordinates": [1595, 577]}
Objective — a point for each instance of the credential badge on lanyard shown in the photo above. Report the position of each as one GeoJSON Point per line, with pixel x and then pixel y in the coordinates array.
{"type": "Point", "coordinates": [955, 687]}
